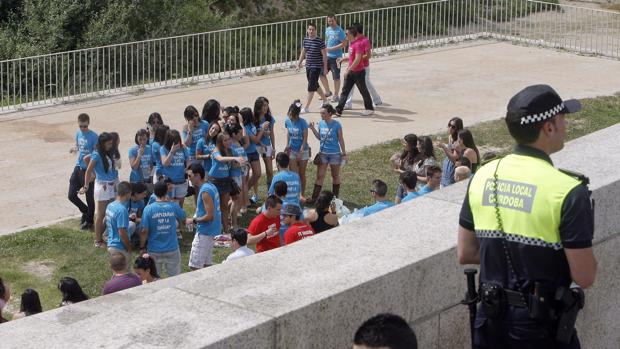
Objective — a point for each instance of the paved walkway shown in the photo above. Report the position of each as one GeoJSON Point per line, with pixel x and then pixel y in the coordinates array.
{"type": "Point", "coordinates": [421, 91]}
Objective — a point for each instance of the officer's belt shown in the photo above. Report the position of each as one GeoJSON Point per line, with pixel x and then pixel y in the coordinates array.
{"type": "Point", "coordinates": [515, 298]}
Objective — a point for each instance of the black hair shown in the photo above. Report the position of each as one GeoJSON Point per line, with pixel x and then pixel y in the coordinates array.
{"type": "Point", "coordinates": [282, 159]}
{"type": "Point", "coordinates": [71, 290]}
{"type": "Point", "coordinates": [146, 263]}
{"type": "Point", "coordinates": [2, 289]}
{"type": "Point", "coordinates": [155, 116]}
{"type": "Point", "coordinates": [246, 116]}
{"type": "Point", "coordinates": [386, 330]}
{"type": "Point", "coordinates": [311, 24]}
{"type": "Point", "coordinates": [190, 113]}
{"type": "Point", "coordinates": [352, 30]}
{"type": "Point", "coordinates": [211, 111]}
{"type": "Point", "coordinates": [524, 134]}
{"type": "Point", "coordinates": [116, 154]}
{"type": "Point", "coordinates": [160, 134]}
{"type": "Point", "coordinates": [197, 168]}
{"type": "Point", "coordinates": [118, 262]}
{"type": "Point", "coordinates": [280, 189]}
{"type": "Point", "coordinates": [258, 105]}
{"type": "Point", "coordinates": [231, 110]}
{"type": "Point", "coordinates": [31, 304]}
{"type": "Point", "coordinates": [172, 137]}
{"type": "Point", "coordinates": [409, 179]}
{"type": "Point", "coordinates": [379, 187]}
{"type": "Point", "coordinates": [324, 201]}
{"type": "Point", "coordinates": [272, 201]}
{"type": "Point", "coordinates": [468, 141]}
{"type": "Point", "coordinates": [294, 109]}
{"type": "Point", "coordinates": [359, 27]}
{"type": "Point", "coordinates": [208, 137]}
{"type": "Point", "coordinates": [138, 188]}
{"type": "Point", "coordinates": [458, 122]}
{"type": "Point", "coordinates": [123, 188]}
{"type": "Point", "coordinates": [409, 156]}
{"type": "Point", "coordinates": [141, 132]}
{"type": "Point", "coordinates": [104, 138]}
{"type": "Point", "coordinates": [427, 147]}
{"type": "Point", "coordinates": [232, 129]}
{"type": "Point", "coordinates": [431, 170]}
{"type": "Point", "coordinates": [160, 189]}
{"type": "Point", "coordinates": [328, 108]}
{"type": "Point", "coordinates": [465, 162]}
{"type": "Point", "coordinates": [219, 145]}
{"type": "Point", "coordinates": [83, 117]}
{"type": "Point", "coordinates": [240, 235]}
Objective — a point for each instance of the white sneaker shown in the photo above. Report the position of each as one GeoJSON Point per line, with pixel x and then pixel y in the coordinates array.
{"type": "Point", "coordinates": [368, 112]}
{"type": "Point", "coordinates": [378, 104]}
{"type": "Point", "coordinates": [335, 99]}
{"type": "Point", "coordinates": [348, 107]}
{"type": "Point", "coordinates": [305, 111]}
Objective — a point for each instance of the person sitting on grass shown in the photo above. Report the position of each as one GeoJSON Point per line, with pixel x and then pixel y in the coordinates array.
{"type": "Point", "coordinates": [71, 291]}
{"type": "Point", "coordinates": [323, 217]}
{"type": "Point", "coordinates": [298, 229]}
{"type": "Point", "coordinates": [379, 191]}
{"type": "Point", "coordinates": [433, 173]}
{"type": "Point", "coordinates": [409, 181]}
{"type": "Point", "coordinates": [461, 173]}
{"type": "Point", "coordinates": [30, 305]}
{"type": "Point", "coordinates": [264, 227]}
{"type": "Point", "coordinates": [121, 279]}
{"type": "Point", "coordinates": [146, 269]}
{"type": "Point", "coordinates": [239, 240]}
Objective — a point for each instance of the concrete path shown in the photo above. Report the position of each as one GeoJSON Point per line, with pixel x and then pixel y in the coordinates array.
{"type": "Point", "coordinates": [421, 90]}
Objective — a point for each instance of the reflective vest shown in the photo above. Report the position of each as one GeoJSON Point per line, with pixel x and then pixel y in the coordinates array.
{"type": "Point", "coordinates": [530, 194]}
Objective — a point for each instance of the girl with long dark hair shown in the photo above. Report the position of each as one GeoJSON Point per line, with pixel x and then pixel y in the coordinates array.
{"type": "Point", "coordinates": [174, 160]}
{"type": "Point", "coordinates": [262, 115]}
{"type": "Point", "coordinates": [158, 141]}
{"type": "Point", "coordinates": [146, 269]}
{"type": "Point", "coordinates": [211, 111]}
{"type": "Point", "coordinates": [297, 143]}
{"type": "Point", "coordinates": [323, 217]}
{"type": "Point", "coordinates": [425, 159]}
{"type": "Point", "coordinates": [406, 161]}
{"type": "Point", "coordinates": [141, 159]}
{"type": "Point", "coordinates": [152, 124]}
{"type": "Point", "coordinates": [102, 164]}
{"type": "Point", "coordinates": [467, 148]}
{"type": "Point", "coordinates": [193, 130]}
{"type": "Point", "coordinates": [71, 291]}
{"type": "Point", "coordinates": [254, 135]}
{"type": "Point", "coordinates": [452, 155]}
{"type": "Point", "coordinates": [30, 304]}
{"type": "Point", "coordinates": [237, 171]}
{"type": "Point", "coordinates": [205, 146]}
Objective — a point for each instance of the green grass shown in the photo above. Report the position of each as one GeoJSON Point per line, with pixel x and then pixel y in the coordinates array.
{"type": "Point", "coordinates": [67, 251]}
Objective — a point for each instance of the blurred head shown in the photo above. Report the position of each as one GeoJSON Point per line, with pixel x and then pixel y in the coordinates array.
{"type": "Point", "coordinates": [454, 126]}
{"type": "Point", "coordinates": [433, 176]}
{"type": "Point", "coordinates": [71, 290]}
{"type": "Point", "coordinates": [461, 173]}
{"type": "Point", "coordinates": [123, 191]}
{"type": "Point", "coordinates": [280, 188]}
{"type": "Point", "coordinates": [332, 21]}
{"type": "Point", "coordinates": [311, 30]}
{"type": "Point", "coordinates": [196, 174]}
{"type": "Point", "coordinates": [145, 267]}
{"type": "Point", "coordinates": [273, 205]}
{"type": "Point", "coordinates": [294, 109]}
{"type": "Point", "coordinates": [31, 304]}
{"type": "Point", "coordinates": [142, 137]}
{"type": "Point", "coordinates": [138, 191]}
{"type": "Point", "coordinates": [83, 122]}
{"type": "Point", "coordinates": [239, 238]}
{"type": "Point", "coordinates": [211, 111]}
{"type": "Point", "coordinates": [191, 115]}
{"type": "Point", "coordinates": [379, 189]}
{"type": "Point", "coordinates": [160, 134]}
{"type": "Point", "coordinates": [425, 147]}
{"type": "Point", "coordinates": [326, 111]}
{"type": "Point", "coordinates": [172, 137]}
{"type": "Point", "coordinates": [410, 142]}
{"type": "Point", "coordinates": [409, 180]}
{"type": "Point", "coordinates": [385, 331]}
{"type": "Point", "coordinates": [282, 160]}
{"type": "Point", "coordinates": [5, 293]}
{"type": "Point", "coordinates": [155, 120]}
{"type": "Point", "coordinates": [324, 201]}
{"type": "Point", "coordinates": [118, 263]}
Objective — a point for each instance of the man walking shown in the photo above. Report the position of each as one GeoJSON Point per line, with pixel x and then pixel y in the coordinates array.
{"type": "Point", "coordinates": [315, 54]}
{"type": "Point", "coordinates": [117, 222]}
{"type": "Point", "coordinates": [335, 36]}
{"type": "Point", "coordinates": [367, 48]}
{"type": "Point", "coordinates": [85, 141]}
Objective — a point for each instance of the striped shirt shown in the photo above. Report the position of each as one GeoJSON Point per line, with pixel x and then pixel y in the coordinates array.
{"type": "Point", "coordinates": [313, 46]}
{"type": "Point", "coordinates": [121, 282]}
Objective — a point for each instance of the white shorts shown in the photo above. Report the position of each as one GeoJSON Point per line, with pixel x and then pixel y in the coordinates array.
{"type": "Point", "coordinates": [202, 251]}
{"type": "Point", "coordinates": [105, 191]}
{"type": "Point", "coordinates": [179, 190]}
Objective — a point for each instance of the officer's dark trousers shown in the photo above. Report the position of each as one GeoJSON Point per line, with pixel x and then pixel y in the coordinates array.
{"type": "Point", "coordinates": [75, 183]}
{"type": "Point", "coordinates": [358, 79]}
{"type": "Point", "coordinates": [490, 337]}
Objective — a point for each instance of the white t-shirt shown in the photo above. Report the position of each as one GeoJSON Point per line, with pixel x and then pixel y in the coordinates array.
{"type": "Point", "coordinates": [242, 251]}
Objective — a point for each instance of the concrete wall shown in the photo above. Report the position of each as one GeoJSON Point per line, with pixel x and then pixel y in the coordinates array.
{"type": "Point", "coordinates": [314, 294]}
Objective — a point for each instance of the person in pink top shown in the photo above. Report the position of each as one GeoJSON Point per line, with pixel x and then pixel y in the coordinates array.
{"type": "Point", "coordinates": [365, 42]}
{"type": "Point", "coordinates": [355, 73]}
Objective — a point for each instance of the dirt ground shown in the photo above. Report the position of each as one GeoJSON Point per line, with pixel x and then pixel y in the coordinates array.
{"type": "Point", "coordinates": [421, 90]}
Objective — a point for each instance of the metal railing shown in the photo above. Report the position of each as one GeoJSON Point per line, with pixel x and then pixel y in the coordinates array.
{"type": "Point", "coordinates": [186, 59]}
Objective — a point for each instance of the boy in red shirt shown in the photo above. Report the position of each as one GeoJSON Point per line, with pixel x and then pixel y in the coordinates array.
{"type": "Point", "coordinates": [264, 227]}
{"type": "Point", "coordinates": [297, 229]}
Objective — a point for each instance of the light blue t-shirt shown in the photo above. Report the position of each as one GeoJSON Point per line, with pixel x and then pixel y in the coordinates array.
{"type": "Point", "coordinates": [378, 206]}
{"type": "Point", "coordinates": [116, 217]}
{"type": "Point", "coordinates": [410, 196]}
{"type": "Point", "coordinates": [156, 154]}
{"type": "Point", "coordinates": [153, 198]}
{"type": "Point", "coordinates": [219, 169]}
{"type": "Point", "coordinates": [334, 37]}
{"type": "Point", "coordinates": [266, 138]}
{"type": "Point", "coordinates": [161, 220]}
{"type": "Point", "coordinates": [214, 226]}
{"type": "Point", "coordinates": [251, 131]}
{"type": "Point", "coordinates": [197, 134]}
{"type": "Point", "coordinates": [238, 151]}
{"type": "Point", "coordinates": [85, 143]}
{"type": "Point", "coordinates": [205, 148]}
{"type": "Point", "coordinates": [143, 173]}
{"type": "Point", "coordinates": [102, 175]}
{"type": "Point", "coordinates": [329, 137]}
{"type": "Point", "coordinates": [176, 169]}
{"type": "Point", "coordinates": [424, 190]}
{"type": "Point", "coordinates": [293, 186]}
{"type": "Point", "coordinates": [134, 206]}
{"type": "Point", "coordinates": [295, 131]}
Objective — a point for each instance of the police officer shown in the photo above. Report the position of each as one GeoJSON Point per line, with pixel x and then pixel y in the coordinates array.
{"type": "Point", "coordinates": [530, 227]}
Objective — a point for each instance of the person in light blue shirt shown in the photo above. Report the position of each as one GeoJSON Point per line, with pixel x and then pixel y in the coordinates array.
{"type": "Point", "coordinates": [141, 159]}
{"type": "Point", "coordinates": [85, 142]}
{"type": "Point", "coordinates": [379, 192]}
{"type": "Point", "coordinates": [409, 180]}
{"type": "Point", "coordinates": [254, 135]}
{"type": "Point", "coordinates": [292, 180]}
{"type": "Point", "coordinates": [208, 219]}
{"type": "Point", "coordinates": [197, 127]}
{"type": "Point", "coordinates": [238, 172]}
{"type": "Point", "coordinates": [335, 36]}
{"type": "Point", "coordinates": [266, 121]}
{"type": "Point", "coordinates": [101, 164]}
{"type": "Point", "coordinates": [158, 236]}
{"type": "Point", "coordinates": [332, 150]}
{"type": "Point", "coordinates": [158, 141]}
{"type": "Point", "coordinates": [297, 143]}
{"type": "Point", "coordinates": [117, 222]}
{"type": "Point", "coordinates": [206, 144]}
{"type": "Point", "coordinates": [433, 182]}
{"type": "Point", "coordinates": [174, 160]}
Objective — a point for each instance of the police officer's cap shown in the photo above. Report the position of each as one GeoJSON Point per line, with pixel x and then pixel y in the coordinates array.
{"type": "Point", "coordinates": [538, 103]}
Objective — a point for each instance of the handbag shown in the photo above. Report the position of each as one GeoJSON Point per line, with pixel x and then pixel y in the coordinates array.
{"type": "Point", "coordinates": [317, 159]}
